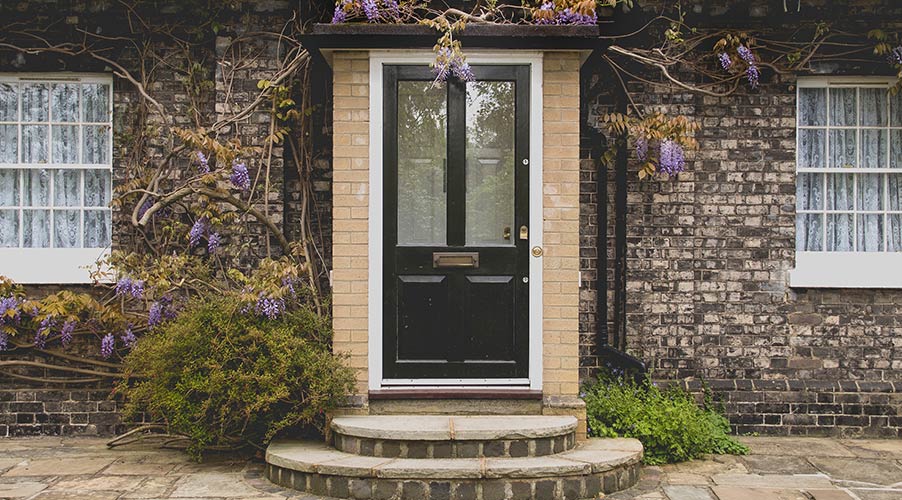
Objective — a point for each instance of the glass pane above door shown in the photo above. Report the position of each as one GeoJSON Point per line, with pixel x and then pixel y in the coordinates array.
{"type": "Point", "coordinates": [422, 147]}
{"type": "Point", "coordinates": [490, 163]}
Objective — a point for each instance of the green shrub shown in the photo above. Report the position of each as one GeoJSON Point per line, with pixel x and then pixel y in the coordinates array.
{"type": "Point", "coordinates": [668, 422]}
{"type": "Point", "coordinates": [227, 378]}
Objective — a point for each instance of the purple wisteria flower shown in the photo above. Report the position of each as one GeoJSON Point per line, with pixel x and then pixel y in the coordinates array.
{"type": "Point", "coordinates": [128, 337]}
{"type": "Point", "coordinates": [340, 16]}
{"type": "Point", "coordinates": [4, 341]}
{"type": "Point", "coordinates": [673, 160]}
{"type": "Point", "coordinates": [642, 148]}
{"type": "Point", "coordinates": [213, 242]}
{"type": "Point", "coordinates": [546, 7]}
{"type": "Point", "coordinates": [462, 70]}
{"type": "Point", "coordinates": [566, 16]}
{"type": "Point", "coordinates": [8, 304]}
{"type": "Point", "coordinates": [107, 344]}
{"type": "Point", "coordinates": [240, 178]}
{"type": "Point", "coordinates": [725, 61]}
{"type": "Point", "coordinates": [442, 66]}
{"type": "Point", "coordinates": [198, 230]}
{"type": "Point", "coordinates": [203, 163]}
{"type": "Point", "coordinates": [753, 75]}
{"type": "Point", "coordinates": [271, 308]}
{"type": "Point", "coordinates": [371, 10]}
{"type": "Point", "coordinates": [145, 207]}
{"type": "Point", "coordinates": [66, 332]}
{"type": "Point", "coordinates": [161, 310]}
{"type": "Point", "coordinates": [393, 9]}
{"type": "Point", "coordinates": [127, 286]}
{"type": "Point", "coordinates": [895, 56]}
{"type": "Point", "coordinates": [746, 54]}
{"type": "Point", "coordinates": [40, 337]}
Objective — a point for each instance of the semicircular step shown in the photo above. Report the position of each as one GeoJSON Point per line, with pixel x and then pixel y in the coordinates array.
{"type": "Point", "coordinates": [595, 466]}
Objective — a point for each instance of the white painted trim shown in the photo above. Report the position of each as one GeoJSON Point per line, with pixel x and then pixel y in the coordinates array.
{"type": "Point", "coordinates": [377, 60]}
{"type": "Point", "coordinates": [56, 266]}
{"type": "Point", "coordinates": [847, 270]}
{"type": "Point", "coordinates": [465, 382]}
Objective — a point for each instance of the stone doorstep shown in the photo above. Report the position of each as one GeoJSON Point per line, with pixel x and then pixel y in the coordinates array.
{"type": "Point", "coordinates": [593, 456]}
{"type": "Point", "coordinates": [456, 428]}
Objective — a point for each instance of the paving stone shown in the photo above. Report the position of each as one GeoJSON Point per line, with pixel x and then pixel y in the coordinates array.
{"type": "Point", "coordinates": [213, 484]}
{"type": "Point", "coordinates": [59, 466]}
{"type": "Point", "coordinates": [152, 487]}
{"type": "Point", "coordinates": [796, 447]}
{"type": "Point", "coordinates": [874, 448]}
{"type": "Point", "coordinates": [444, 468]}
{"type": "Point", "coordinates": [772, 481]}
{"type": "Point", "coordinates": [488, 428]}
{"type": "Point", "coordinates": [129, 468]}
{"type": "Point", "coordinates": [534, 467]}
{"type": "Point", "coordinates": [873, 471]}
{"type": "Point", "coordinates": [743, 493]}
{"type": "Point", "coordinates": [22, 489]}
{"type": "Point", "coordinates": [829, 495]}
{"type": "Point", "coordinates": [100, 483]}
{"type": "Point", "coordinates": [766, 464]}
{"type": "Point", "coordinates": [76, 495]}
{"type": "Point", "coordinates": [412, 427]}
{"type": "Point", "coordinates": [7, 463]}
{"type": "Point", "coordinates": [687, 478]}
{"type": "Point", "coordinates": [685, 492]}
{"type": "Point", "coordinates": [877, 494]}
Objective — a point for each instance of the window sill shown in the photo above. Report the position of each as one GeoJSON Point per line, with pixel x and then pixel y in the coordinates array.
{"type": "Point", "coordinates": [847, 270]}
{"type": "Point", "coordinates": [45, 266]}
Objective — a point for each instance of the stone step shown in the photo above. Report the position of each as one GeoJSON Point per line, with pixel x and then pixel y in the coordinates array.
{"type": "Point", "coordinates": [592, 467]}
{"type": "Point", "coordinates": [446, 436]}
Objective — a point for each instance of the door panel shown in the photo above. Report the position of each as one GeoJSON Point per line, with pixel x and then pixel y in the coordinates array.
{"type": "Point", "coordinates": [456, 193]}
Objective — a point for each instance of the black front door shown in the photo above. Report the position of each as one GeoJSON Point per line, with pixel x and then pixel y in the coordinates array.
{"type": "Point", "coordinates": [456, 216]}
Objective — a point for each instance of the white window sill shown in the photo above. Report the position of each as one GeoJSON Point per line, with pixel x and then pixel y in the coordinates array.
{"type": "Point", "coordinates": [58, 266]}
{"type": "Point", "coordinates": [847, 270]}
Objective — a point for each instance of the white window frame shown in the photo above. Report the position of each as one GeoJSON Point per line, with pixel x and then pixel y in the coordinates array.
{"type": "Point", "coordinates": [534, 60]}
{"type": "Point", "coordinates": [826, 269]}
{"type": "Point", "coordinates": [56, 265]}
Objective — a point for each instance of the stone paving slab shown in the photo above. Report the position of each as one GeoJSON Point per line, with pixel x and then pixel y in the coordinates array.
{"type": "Point", "coordinates": [445, 428]}
{"type": "Point", "coordinates": [822, 469]}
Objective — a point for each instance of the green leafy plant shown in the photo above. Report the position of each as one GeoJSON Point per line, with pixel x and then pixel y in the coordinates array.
{"type": "Point", "coordinates": [227, 378]}
{"type": "Point", "coordinates": [668, 422]}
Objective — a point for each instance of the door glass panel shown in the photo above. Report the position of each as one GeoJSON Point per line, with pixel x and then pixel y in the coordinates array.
{"type": "Point", "coordinates": [422, 146]}
{"type": "Point", "coordinates": [490, 163]}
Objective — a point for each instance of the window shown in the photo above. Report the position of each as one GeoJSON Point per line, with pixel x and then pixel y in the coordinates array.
{"type": "Point", "coordinates": [55, 175]}
{"type": "Point", "coordinates": [848, 184]}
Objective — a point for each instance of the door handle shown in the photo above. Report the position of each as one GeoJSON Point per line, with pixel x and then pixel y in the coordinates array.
{"type": "Point", "coordinates": [455, 259]}
{"type": "Point", "coordinates": [507, 233]}
{"type": "Point", "coordinates": [524, 233]}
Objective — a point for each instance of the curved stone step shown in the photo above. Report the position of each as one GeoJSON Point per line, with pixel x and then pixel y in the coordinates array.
{"type": "Point", "coordinates": [444, 436]}
{"type": "Point", "coordinates": [593, 467]}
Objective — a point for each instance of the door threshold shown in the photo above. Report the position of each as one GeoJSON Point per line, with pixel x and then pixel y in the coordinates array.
{"type": "Point", "coordinates": [454, 393]}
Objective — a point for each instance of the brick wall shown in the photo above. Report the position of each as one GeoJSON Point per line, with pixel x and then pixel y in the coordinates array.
{"type": "Point", "coordinates": [350, 212]}
{"type": "Point", "coordinates": [42, 411]}
{"type": "Point", "coordinates": [707, 281]}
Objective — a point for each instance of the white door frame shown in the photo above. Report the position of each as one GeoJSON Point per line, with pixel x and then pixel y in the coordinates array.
{"type": "Point", "coordinates": [377, 60]}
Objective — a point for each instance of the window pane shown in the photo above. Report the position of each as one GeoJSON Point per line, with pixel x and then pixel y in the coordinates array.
{"type": "Point", "coordinates": [894, 238]}
{"type": "Point", "coordinates": [812, 148]}
{"type": "Point", "coordinates": [870, 192]}
{"type": "Point", "coordinates": [64, 102]}
{"type": "Point", "coordinates": [9, 188]}
{"type": "Point", "coordinates": [870, 233]}
{"type": "Point", "coordinates": [839, 191]}
{"type": "Point", "coordinates": [34, 144]}
{"type": "Point", "coordinates": [96, 148]}
{"type": "Point", "coordinates": [97, 188]}
{"type": "Point", "coordinates": [9, 102]}
{"type": "Point", "coordinates": [96, 102]}
{"type": "Point", "coordinates": [895, 104]}
{"type": "Point", "coordinates": [35, 100]}
{"type": "Point", "coordinates": [873, 148]}
{"type": "Point", "coordinates": [810, 192]}
{"type": "Point", "coordinates": [490, 163]}
{"type": "Point", "coordinates": [36, 228]}
{"type": "Point", "coordinates": [67, 188]}
{"type": "Point", "coordinates": [894, 202]}
{"type": "Point", "coordinates": [9, 228]}
{"type": "Point", "coordinates": [839, 232]}
{"type": "Point", "coordinates": [812, 107]}
{"type": "Point", "coordinates": [65, 143]}
{"type": "Point", "coordinates": [9, 144]}
{"type": "Point", "coordinates": [843, 153]}
{"type": "Point", "coordinates": [65, 228]}
{"type": "Point", "coordinates": [810, 232]}
{"type": "Point", "coordinates": [873, 107]}
{"type": "Point", "coordinates": [36, 188]}
{"type": "Point", "coordinates": [895, 157]}
{"type": "Point", "coordinates": [422, 140]}
{"type": "Point", "coordinates": [843, 107]}
{"type": "Point", "coordinates": [97, 228]}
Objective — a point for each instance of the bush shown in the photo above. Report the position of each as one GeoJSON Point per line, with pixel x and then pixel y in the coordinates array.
{"type": "Point", "coordinates": [227, 378]}
{"type": "Point", "coordinates": [668, 422]}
